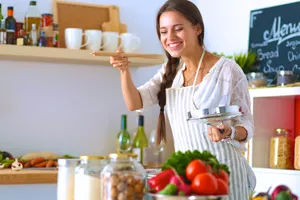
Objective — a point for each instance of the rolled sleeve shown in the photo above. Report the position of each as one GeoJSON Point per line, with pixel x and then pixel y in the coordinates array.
{"type": "Point", "coordinates": [150, 89]}
{"type": "Point", "coordinates": [241, 97]}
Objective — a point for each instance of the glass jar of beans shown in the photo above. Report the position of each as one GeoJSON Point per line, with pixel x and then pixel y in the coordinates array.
{"type": "Point", "coordinates": [123, 178]}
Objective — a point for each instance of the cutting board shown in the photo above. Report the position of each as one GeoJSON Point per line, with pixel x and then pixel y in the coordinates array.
{"type": "Point", "coordinates": [114, 24]}
{"type": "Point", "coordinates": [86, 16]}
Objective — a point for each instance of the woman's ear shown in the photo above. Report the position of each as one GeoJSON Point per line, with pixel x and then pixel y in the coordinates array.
{"type": "Point", "coordinates": [198, 29]}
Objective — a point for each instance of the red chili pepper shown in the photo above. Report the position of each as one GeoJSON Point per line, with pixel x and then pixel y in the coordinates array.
{"type": "Point", "coordinates": [160, 181]}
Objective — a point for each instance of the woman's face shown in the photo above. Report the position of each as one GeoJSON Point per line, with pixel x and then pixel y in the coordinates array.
{"type": "Point", "coordinates": [178, 35]}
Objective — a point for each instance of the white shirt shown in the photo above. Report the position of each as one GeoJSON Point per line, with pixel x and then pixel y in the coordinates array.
{"type": "Point", "coordinates": [225, 77]}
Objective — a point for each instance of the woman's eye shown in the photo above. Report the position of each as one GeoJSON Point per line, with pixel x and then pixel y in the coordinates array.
{"type": "Point", "coordinates": [178, 29]}
{"type": "Point", "coordinates": [163, 32]}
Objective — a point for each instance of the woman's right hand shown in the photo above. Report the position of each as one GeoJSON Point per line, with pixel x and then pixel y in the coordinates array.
{"type": "Point", "coordinates": [120, 61]}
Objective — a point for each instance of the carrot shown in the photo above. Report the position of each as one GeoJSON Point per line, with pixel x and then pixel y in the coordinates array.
{"type": "Point", "coordinates": [37, 161]}
{"type": "Point", "coordinates": [42, 164]}
{"type": "Point", "coordinates": [55, 164]}
{"type": "Point", "coordinates": [50, 163]}
{"type": "Point", "coordinates": [27, 165]}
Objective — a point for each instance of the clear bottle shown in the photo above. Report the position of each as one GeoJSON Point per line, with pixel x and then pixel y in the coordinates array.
{"type": "Point", "coordinates": [123, 178]}
{"type": "Point", "coordinates": [32, 16]}
{"type": "Point", "coordinates": [140, 142]}
{"type": "Point", "coordinates": [10, 26]}
{"type": "Point", "coordinates": [281, 150]}
{"type": "Point", "coordinates": [33, 36]}
{"type": "Point", "coordinates": [87, 177]}
{"type": "Point", "coordinates": [42, 40]}
{"type": "Point", "coordinates": [123, 137]}
{"type": "Point", "coordinates": [297, 153]}
{"type": "Point", "coordinates": [2, 32]}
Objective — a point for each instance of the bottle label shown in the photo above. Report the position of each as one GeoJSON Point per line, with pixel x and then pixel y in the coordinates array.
{"type": "Point", "coordinates": [2, 37]}
{"type": "Point", "coordinates": [137, 151]}
{"type": "Point", "coordinates": [142, 155]}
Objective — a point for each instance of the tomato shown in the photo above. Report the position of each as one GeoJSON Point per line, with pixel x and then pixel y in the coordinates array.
{"type": "Point", "coordinates": [194, 168]}
{"type": "Point", "coordinates": [222, 174]}
{"type": "Point", "coordinates": [205, 184]}
{"type": "Point", "coordinates": [222, 187]}
{"type": "Point", "coordinates": [209, 168]}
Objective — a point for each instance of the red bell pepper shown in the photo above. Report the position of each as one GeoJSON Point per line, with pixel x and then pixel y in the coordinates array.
{"type": "Point", "coordinates": [161, 180]}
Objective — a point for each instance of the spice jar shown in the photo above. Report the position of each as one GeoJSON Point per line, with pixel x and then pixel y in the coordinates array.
{"type": "Point", "coordinates": [87, 177]}
{"type": "Point", "coordinates": [297, 153]}
{"type": "Point", "coordinates": [285, 77]}
{"type": "Point", "coordinates": [123, 178]}
{"type": "Point", "coordinates": [256, 79]}
{"type": "Point", "coordinates": [281, 150]}
{"type": "Point", "coordinates": [65, 178]}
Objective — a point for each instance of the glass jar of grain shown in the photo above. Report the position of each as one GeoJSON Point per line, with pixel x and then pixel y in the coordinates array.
{"type": "Point", "coordinates": [297, 153]}
{"type": "Point", "coordinates": [281, 150]}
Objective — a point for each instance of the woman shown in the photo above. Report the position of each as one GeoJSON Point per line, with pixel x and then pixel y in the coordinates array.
{"type": "Point", "coordinates": [193, 79]}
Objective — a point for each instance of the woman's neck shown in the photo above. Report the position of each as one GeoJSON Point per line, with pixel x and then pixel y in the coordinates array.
{"type": "Point", "coordinates": [192, 59]}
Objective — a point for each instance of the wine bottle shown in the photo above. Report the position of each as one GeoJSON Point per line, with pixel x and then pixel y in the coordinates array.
{"type": "Point", "coordinates": [1, 16]}
{"type": "Point", "coordinates": [123, 138]}
{"type": "Point", "coordinates": [10, 26]}
{"type": "Point", "coordinates": [140, 142]}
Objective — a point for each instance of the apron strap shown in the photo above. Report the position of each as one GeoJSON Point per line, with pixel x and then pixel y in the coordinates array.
{"type": "Point", "coordinates": [195, 79]}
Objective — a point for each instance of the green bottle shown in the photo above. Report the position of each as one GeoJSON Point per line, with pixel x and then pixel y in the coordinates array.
{"type": "Point", "coordinates": [1, 16]}
{"type": "Point", "coordinates": [123, 138]}
{"type": "Point", "coordinates": [140, 142]}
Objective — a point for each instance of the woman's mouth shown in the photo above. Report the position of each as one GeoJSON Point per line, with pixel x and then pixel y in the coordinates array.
{"type": "Point", "coordinates": [174, 46]}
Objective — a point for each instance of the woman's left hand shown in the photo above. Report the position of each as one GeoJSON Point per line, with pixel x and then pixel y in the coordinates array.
{"type": "Point", "coordinates": [215, 135]}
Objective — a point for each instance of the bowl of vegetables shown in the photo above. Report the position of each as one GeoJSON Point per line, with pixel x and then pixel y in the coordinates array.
{"type": "Point", "coordinates": [190, 175]}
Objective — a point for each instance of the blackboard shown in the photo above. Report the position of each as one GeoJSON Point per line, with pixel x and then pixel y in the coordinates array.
{"type": "Point", "coordinates": [275, 36]}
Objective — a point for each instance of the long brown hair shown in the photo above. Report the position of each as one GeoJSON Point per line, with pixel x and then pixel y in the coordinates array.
{"type": "Point", "coordinates": [191, 13]}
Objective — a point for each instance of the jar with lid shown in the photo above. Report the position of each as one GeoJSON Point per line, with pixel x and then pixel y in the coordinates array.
{"type": "Point", "coordinates": [256, 79]}
{"type": "Point", "coordinates": [123, 178]}
{"type": "Point", "coordinates": [281, 150]}
{"type": "Point", "coordinates": [87, 177]}
{"type": "Point", "coordinates": [285, 77]}
{"type": "Point", "coordinates": [65, 178]}
{"type": "Point", "coordinates": [297, 153]}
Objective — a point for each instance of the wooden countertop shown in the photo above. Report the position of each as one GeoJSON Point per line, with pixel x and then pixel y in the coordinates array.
{"type": "Point", "coordinates": [9, 177]}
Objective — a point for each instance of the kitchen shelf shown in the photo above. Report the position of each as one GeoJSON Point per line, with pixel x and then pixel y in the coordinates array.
{"type": "Point", "coordinates": [277, 171]}
{"type": "Point", "coordinates": [274, 91]}
{"type": "Point", "coordinates": [68, 56]}
{"type": "Point", "coordinates": [10, 177]}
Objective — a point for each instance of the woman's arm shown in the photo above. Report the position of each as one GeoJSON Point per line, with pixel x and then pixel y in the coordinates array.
{"type": "Point", "coordinates": [143, 96]}
{"type": "Point", "coordinates": [131, 95]}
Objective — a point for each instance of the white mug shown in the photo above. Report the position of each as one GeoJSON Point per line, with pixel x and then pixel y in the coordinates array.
{"type": "Point", "coordinates": [129, 42]}
{"type": "Point", "coordinates": [73, 38]}
{"type": "Point", "coordinates": [110, 41]}
{"type": "Point", "coordinates": [93, 39]}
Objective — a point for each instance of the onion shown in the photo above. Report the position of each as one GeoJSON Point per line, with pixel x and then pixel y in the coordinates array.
{"type": "Point", "coordinates": [278, 189]}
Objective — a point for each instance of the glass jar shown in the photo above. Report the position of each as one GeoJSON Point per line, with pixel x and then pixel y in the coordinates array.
{"type": "Point", "coordinates": [87, 177]}
{"type": "Point", "coordinates": [297, 153]}
{"type": "Point", "coordinates": [123, 178]}
{"type": "Point", "coordinates": [256, 79]}
{"type": "Point", "coordinates": [65, 178]}
{"type": "Point", "coordinates": [281, 150]}
{"type": "Point", "coordinates": [285, 77]}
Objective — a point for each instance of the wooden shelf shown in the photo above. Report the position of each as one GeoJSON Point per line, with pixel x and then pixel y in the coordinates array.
{"type": "Point", "coordinates": [68, 56]}
{"type": "Point", "coordinates": [10, 177]}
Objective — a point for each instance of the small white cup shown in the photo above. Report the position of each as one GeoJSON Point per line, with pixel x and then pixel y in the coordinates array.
{"type": "Point", "coordinates": [73, 38]}
{"type": "Point", "coordinates": [129, 42]}
{"type": "Point", "coordinates": [93, 39]}
{"type": "Point", "coordinates": [110, 41]}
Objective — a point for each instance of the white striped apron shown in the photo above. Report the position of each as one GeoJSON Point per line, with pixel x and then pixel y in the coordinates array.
{"type": "Point", "coordinates": [194, 136]}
